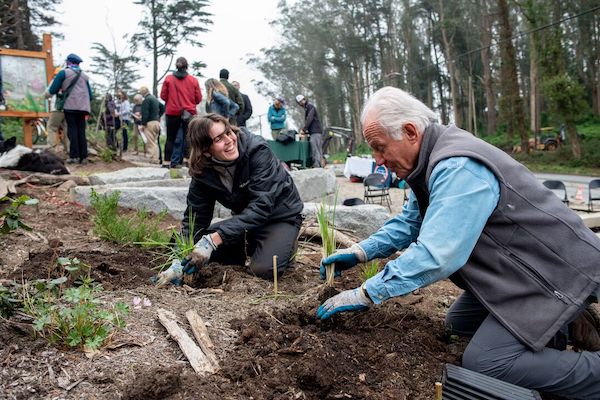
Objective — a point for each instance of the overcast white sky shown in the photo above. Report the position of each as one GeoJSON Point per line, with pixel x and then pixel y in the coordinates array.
{"type": "Point", "coordinates": [240, 27]}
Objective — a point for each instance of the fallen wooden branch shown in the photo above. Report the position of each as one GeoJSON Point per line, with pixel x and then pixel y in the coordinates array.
{"type": "Point", "coordinates": [198, 360]}
{"type": "Point", "coordinates": [202, 337]}
{"type": "Point", "coordinates": [340, 238]}
{"type": "Point", "coordinates": [40, 178]}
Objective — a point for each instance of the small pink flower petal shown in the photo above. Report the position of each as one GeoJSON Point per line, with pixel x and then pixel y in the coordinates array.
{"type": "Point", "coordinates": [147, 302]}
{"type": "Point", "coordinates": [137, 301]}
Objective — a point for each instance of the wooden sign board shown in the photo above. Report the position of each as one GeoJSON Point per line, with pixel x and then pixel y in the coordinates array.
{"type": "Point", "coordinates": [25, 76]}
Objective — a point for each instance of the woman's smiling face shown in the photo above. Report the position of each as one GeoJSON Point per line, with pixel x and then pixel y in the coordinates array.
{"type": "Point", "coordinates": [224, 143]}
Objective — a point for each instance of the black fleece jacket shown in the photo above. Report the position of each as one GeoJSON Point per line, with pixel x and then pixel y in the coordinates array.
{"type": "Point", "coordinates": [263, 192]}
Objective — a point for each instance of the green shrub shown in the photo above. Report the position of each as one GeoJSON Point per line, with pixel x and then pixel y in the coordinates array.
{"type": "Point", "coordinates": [109, 225]}
{"type": "Point", "coordinates": [368, 270]}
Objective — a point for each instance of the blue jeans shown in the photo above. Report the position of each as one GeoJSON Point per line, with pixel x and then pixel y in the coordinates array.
{"type": "Point", "coordinates": [178, 149]}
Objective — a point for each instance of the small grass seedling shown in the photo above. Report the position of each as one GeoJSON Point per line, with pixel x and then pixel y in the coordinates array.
{"type": "Point", "coordinates": [326, 221]}
{"type": "Point", "coordinates": [369, 270]}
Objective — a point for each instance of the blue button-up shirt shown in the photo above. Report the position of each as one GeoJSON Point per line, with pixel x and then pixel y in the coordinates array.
{"type": "Point", "coordinates": [463, 195]}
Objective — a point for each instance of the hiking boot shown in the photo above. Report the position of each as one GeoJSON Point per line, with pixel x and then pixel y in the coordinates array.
{"type": "Point", "coordinates": [585, 330]}
{"type": "Point", "coordinates": [83, 161]}
{"type": "Point", "coordinates": [72, 161]}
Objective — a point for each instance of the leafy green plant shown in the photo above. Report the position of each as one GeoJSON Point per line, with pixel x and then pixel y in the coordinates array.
{"type": "Point", "coordinates": [106, 155]}
{"type": "Point", "coordinates": [369, 270]}
{"type": "Point", "coordinates": [11, 217]}
{"type": "Point", "coordinates": [326, 221]}
{"type": "Point", "coordinates": [109, 225]}
{"type": "Point", "coordinates": [73, 315]}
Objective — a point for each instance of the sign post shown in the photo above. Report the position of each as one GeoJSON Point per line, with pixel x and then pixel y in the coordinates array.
{"type": "Point", "coordinates": [25, 75]}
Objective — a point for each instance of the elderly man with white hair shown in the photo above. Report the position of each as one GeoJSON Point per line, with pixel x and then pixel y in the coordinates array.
{"type": "Point", "coordinates": [529, 267]}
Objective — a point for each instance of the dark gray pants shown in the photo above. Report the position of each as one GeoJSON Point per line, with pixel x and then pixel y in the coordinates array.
{"type": "Point", "coordinates": [495, 352]}
{"type": "Point", "coordinates": [316, 149]}
{"type": "Point", "coordinates": [275, 239]}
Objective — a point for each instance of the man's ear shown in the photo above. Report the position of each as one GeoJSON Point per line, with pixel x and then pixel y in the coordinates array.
{"type": "Point", "coordinates": [411, 132]}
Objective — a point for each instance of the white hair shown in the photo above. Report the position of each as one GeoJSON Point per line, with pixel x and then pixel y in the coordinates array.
{"type": "Point", "coordinates": [138, 98]}
{"type": "Point", "coordinates": [392, 108]}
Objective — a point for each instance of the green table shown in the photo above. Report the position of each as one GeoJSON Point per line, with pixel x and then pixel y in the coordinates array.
{"type": "Point", "coordinates": [297, 152]}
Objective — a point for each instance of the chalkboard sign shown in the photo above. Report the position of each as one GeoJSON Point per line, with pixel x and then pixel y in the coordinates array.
{"type": "Point", "coordinates": [24, 81]}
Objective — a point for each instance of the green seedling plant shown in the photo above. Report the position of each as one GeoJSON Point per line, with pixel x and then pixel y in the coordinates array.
{"type": "Point", "coordinates": [326, 221]}
{"type": "Point", "coordinates": [178, 248]}
{"type": "Point", "coordinates": [369, 270]}
{"type": "Point", "coordinates": [110, 226]}
{"type": "Point", "coordinates": [11, 216]}
{"type": "Point", "coordinates": [106, 155]}
{"type": "Point", "coordinates": [71, 315]}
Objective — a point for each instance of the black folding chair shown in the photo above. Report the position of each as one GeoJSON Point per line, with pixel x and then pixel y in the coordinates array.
{"type": "Point", "coordinates": [558, 186]}
{"type": "Point", "coordinates": [594, 184]}
{"type": "Point", "coordinates": [377, 191]}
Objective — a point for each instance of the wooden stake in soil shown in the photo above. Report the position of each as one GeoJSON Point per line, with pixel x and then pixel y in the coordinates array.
{"type": "Point", "coordinates": [275, 291]}
{"type": "Point", "coordinates": [202, 337]}
{"type": "Point", "coordinates": [438, 391]}
{"type": "Point", "coordinates": [198, 360]}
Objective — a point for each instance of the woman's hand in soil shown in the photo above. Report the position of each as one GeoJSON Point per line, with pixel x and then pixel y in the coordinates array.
{"type": "Point", "coordinates": [348, 300]}
{"type": "Point", "coordinates": [171, 275]}
{"type": "Point", "coordinates": [202, 251]}
{"type": "Point", "coordinates": [343, 259]}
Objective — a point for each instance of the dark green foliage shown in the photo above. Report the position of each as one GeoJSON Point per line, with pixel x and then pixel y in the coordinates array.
{"type": "Point", "coordinates": [118, 69]}
{"type": "Point", "coordinates": [11, 217]}
{"type": "Point", "coordinates": [167, 24]}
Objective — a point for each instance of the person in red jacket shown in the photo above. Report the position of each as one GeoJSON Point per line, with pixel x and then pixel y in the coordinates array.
{"type": "Point", "coordinates": [181, 92]}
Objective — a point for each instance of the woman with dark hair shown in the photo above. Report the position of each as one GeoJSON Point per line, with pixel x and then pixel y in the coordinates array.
{"type": "Point", "coordinates": [240, 172]}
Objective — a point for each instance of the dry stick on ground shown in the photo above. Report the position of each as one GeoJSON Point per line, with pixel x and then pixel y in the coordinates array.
{"type": "Point", "coordinates": [40, 178]}
{"type": "Point", "coordinates": [275, 291]}
{"type": "Point", "coordinates": [198, 360]}
{"type": "Point", "coordinates": [340, 238]}
{"type": "Point", "coordinates": [202, 337]}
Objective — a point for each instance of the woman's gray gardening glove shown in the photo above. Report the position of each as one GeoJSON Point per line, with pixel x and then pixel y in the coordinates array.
{"type": "Point", "coordinates": [174, 274]}
{"type": "Point", "coordinates": [343, 259]}
{"type": "Point", "coordinates": [202, 251]}
{"type": "Point", "coordinates": [348, 300]}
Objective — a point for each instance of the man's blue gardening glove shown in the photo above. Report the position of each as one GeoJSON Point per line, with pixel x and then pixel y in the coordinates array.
{"type": "Point", "coordinates": [348, 300]}
{"type": "Point", "coordinates": [343, 259]}
{"type": "Point", "coordinates": [202, 251]}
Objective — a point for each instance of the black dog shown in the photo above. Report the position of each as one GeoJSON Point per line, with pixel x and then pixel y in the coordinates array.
{"type": "Point", "coordinates": [21, 158]}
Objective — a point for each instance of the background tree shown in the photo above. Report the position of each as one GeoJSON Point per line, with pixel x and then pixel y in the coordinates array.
{"type": "Point", "coordinates": [22, 22]}
{"type": "Point", "coordinates": [165, 25]}
{"type": "Point", "coordinates": [119, 71]}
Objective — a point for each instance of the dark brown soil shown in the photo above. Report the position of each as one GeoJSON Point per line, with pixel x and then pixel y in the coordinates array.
{"type": "Point", "coordinates": [269, 347]}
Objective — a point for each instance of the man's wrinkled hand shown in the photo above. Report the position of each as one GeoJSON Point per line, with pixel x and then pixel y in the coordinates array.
{"type": "Point", "coordinates": [348, 300]}
{"type": "Point", "coordinates": [343, 259]}
{"type": "Point", "coordinates": [202, 251]}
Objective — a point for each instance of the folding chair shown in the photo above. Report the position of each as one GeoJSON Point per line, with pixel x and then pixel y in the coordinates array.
{"type": "Point", "coordinates": [377, 191]}
{"type": "Point", "coordinates": [559, 186]}
{"type": "Point", "coordinates": [594, 184]}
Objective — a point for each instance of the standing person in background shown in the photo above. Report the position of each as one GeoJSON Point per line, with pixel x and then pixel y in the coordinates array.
{"type": "Point", "coordinates": [181, 92]}
{"type": "Point", "coordinates": [124, 117]}
{"type": "Point", "coordinates": [312, 127]}
{"type": "Point", "coordinates": [150, 122]}
{"type": "Point", "coordinates": [244, 116]}
{"type": "Point", "coordinates": [136, 116]}
{"type": "Point", "coordinates": [233, 93]}
{"type": "Point", "coordinates": [57, 122]}
{"type": "Point", "coordinates": [75, 83]}
{"type": "Point", "coordinates": [277, 116]}
{"type": "Point", "coordinates": [217, 100]}
{"type": "Point", "coordinates": [109, 115]}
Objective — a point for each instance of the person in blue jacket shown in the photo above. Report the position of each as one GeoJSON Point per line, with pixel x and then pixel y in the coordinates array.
{"type": "Point", "coordinates": [277, 116]}
{"type": "Point", "coordinates": [529, 267]}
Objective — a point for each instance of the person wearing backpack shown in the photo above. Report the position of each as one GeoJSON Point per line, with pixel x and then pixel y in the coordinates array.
{"type": "Point", "coordinates": [181, 92]}
{"type": "Point", "coordinates": [74, 94]}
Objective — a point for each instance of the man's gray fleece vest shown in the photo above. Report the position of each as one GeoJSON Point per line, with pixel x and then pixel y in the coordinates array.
{"type": "Point", "coordinates": [535, 262]}
{"type": "Point", "coordinates": [79, 98]}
